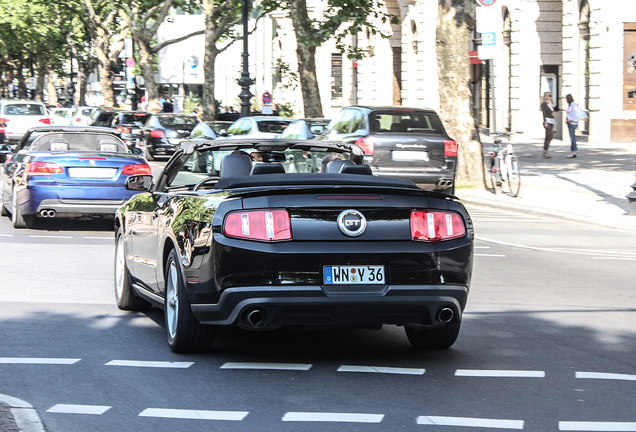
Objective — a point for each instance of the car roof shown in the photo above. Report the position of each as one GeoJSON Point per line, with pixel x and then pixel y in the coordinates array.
{"type": "Point", "coordinates": [273, 144]}
{"type": "Point", "coordinates": [390, 107]}
{"type": "Point", "coordinates": [74, 129]}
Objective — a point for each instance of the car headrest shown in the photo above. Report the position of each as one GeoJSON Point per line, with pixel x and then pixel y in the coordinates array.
{"type": "Point", "coordinates": [356, 169]}
{"type": "Point", "coordinates": [109, 145]}
{"type": "Point", "coordinates": [336, 165]}
{"type": "Point", "coordinates": [268, 168]}
{"type": "Point", "coordinates": [58, 144]}
{"type": "Point", "coordinates": [235, 165]}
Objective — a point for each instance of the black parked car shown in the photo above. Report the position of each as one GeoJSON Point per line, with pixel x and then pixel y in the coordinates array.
{"type": "Point", "coordinates": [259, 247]}
{"type": "Point", "coordinates": [409, 143]}
{"type": "Point", "coordinates": [129, 124]}
{"type": "Point", "coordinates": [163, 133]}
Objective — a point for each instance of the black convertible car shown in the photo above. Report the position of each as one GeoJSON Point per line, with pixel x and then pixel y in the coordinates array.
{"type": "Point", "coordinates": [273, 239]}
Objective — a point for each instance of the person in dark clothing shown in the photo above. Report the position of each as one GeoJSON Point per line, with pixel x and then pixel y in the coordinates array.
{"type": "Point", "coordinates": [548, 122]}
{"type": "Point", "coordinates": [167, 106]}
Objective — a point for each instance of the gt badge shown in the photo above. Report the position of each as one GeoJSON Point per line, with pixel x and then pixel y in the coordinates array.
{"type": "Point", "coordinates": [352, 223]}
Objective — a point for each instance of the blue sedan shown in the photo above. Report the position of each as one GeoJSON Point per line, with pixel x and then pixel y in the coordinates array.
{"type": "Point", "coordinates": [67, 171]}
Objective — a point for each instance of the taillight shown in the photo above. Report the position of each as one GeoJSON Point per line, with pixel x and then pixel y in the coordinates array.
{"type": "Point", "coordinates": [78, 120]}
{"type": "Point", "coordinates": [121, 129]}
{"type": "Point", "coordinates": [136, 169]}
{"type": "Point", "coordinates": [3, 120]}
{"type": "Point", "coordinates": [367, 144]}
{"type": "Point", "coordinates": [450, 148]}
{"type": "Point", "coordinates": [434, 225]}
{"type": "Point", "coordinates": [157, 133]}
{"type": "Point", "coordinates": [263, 225]}
{"type": "Point", "coordinates": [46, 121]}
{"type": "Point", "coordinates": [40, 169]}
{"type": "Point", "coordinates": [1, 129]}
{"type": "Point", "coordinates": [8, 159]}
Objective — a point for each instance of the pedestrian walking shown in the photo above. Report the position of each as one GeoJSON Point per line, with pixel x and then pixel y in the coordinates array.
{"type": "Point", "coordinates": [167, 106]}
{"type": "Point", "coordinates": [572, 121]}
{"type": "Point", "coordinates": [548, 122]}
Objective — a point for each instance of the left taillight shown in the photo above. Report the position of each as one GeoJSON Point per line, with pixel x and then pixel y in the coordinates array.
{"type": "Point", "coordinates": [450, 148]}
{"type": "Point", "coordinates": [41, 169]}
{"type": "Point", "coordinates": [123, 129]}
{"type": "Point", "coordinates": [434, 225]}
{"type": "Point", "coordinates": [46, 121]}
{"type": "Point", "coordinates": [367, 144]}
{"type": "Point", "coordinates": [262, 225]}
{"type": "Point", "coordinates": [136, 169]}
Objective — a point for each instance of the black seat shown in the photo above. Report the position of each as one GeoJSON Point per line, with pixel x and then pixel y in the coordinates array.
{"type": "Point", "coordinates": [235, 165]}
{"type": "Point", "coordinates": [336, 165]}
{"type": "Point", "coordinates": [356, 169]}
{"type": "Point", "coordinates": [268, 168]}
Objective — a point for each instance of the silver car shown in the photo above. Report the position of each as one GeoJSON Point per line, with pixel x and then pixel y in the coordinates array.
{"type": "Point", "coordinates": [258, 127]}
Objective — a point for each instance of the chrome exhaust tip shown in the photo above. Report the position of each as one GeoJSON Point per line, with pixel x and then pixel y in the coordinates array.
{"type": "Point", "coordinates": [445, 314]}
{"type": "Point", "coordinates": [47, 213]}
{"type": "Point", "coordinates": [255, 317]}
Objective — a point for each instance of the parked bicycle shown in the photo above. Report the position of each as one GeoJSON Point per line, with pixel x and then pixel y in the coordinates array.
{"type": "Point", "coordinates": [504, 165]}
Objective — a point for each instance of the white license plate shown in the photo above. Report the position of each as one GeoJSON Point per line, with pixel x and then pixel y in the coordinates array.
{"type": "Point", "coordinates": [369, 274]}
{"type": "Point", "coordinates": [405, 155]}
{"type": "Point", "coordinates": [99, 173]}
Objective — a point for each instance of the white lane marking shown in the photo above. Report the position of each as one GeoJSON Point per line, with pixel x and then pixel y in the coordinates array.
{"type": "Point", "coordinates": [499, 373]}
{"type": "Point", "coordinates": [610, 376]}
{"type": "Point", "coordinates": [50, 236]}
{"type": "Point", "coordinates": [332, 417]}
{"type": "Point", "coordinates": [490, 255]}
{"type": "Point", "coordinates": [78, 409]}
{"type": "Point", "coordinates": [266, 366]}
{"type": "Point", "coordinates": [543, 249]}
{"type": "Point", "coordinates": [6, 235]}
{"type": "Point", "coordinates": [482, 247]}
{"type": "Point", "coordinates": [27, 360]}
{"type": "Point", "coordinates": [615, 258]}
{"type": "Point", "coordinates": [194, 414]}
{"type": "Point", "coordinates": [99, 238]}
{"type": "Point", "coordinates": [597, 426]}
{"type": "Point", "coordinates": [150, 364]}
{"type": "Point", "coordinates": [470, 422]}
{"type": "Point", "coordinates": [380, 369]}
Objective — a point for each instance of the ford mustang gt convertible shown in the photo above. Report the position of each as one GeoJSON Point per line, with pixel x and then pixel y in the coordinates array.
{"type": "Point", "coordinates": [276, 240]}
{"type": "Point", "coordinates": [67, 171]}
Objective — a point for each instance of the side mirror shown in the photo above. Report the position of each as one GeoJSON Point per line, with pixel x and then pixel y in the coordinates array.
{"type": "Point", "coordinates": [137, 151]}
{"type": "Point", "coordinates": [223, 133]}
{"type": "Point", "coordinates": [5, 150]}
{"type": "Point", "coordinates": [139, 183]}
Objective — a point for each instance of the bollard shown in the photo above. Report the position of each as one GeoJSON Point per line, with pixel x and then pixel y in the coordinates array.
{"type": "Point", "coordinates": [631, 201]}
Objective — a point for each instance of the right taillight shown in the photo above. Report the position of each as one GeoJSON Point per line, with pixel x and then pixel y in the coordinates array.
{"type": "Point", "coordinates": [367, 144]}
{"type": "Point", "coordinates": [436, 225]}
{"type": "Point", "coordinates": [262, 225]}
{"type": "Point", "coordinates": [157, 133]}
{"type": "Point", "coordinates": [450, 148]}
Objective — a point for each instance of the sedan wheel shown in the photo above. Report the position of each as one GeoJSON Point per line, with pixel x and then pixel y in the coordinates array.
{"type": "Point", "coordinates": [147, 153]}
{"type": "Point", "coordinates": [433, 338]}
{"type": "Point", "coordinates": [18, 220]}
{"type": "Point", "coordinates": [185, 333]}
{"type": "Point", "coordinates": [124, 294]}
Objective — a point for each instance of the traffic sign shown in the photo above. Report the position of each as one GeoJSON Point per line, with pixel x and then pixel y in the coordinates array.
{"type": "Point", "coordinates": [130, 62]}
{"type": "Point", "coordinates": [486, 2]}
{"type": "Point", "coordinates": [267, 98]}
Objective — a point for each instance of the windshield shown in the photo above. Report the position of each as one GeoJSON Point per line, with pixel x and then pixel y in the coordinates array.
{"type": "Point", "coordinates": [136, 119]}
{"type": "Point", "coordinates": [179, 120]}
{"type": "Point", "coordinates": [405, 121]}
{"type": "Point", "coordinates": [272, 126]}
{"type": "Point", "coordinates": [24, 109]}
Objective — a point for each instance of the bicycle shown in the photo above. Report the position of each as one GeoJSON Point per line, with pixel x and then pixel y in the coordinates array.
{"type": "Point", "coordinates": [504, 165]}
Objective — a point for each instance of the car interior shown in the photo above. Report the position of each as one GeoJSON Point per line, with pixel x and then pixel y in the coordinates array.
{"type": "Point", "coordinates": [78, 142]}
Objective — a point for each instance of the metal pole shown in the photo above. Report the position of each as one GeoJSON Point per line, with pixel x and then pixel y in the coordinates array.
{"type": "Point", "coordinates": [245, 81]}
{"type": "Point", "coordinates": [492, 89]}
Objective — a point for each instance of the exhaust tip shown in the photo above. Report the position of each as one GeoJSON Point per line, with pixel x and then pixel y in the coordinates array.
{"type": "Point", "coordinates": [445, 314]}
{"type": "Point", "coordinates": [47, 213]}
{"type": "Point", "coordinates": [255, 317]}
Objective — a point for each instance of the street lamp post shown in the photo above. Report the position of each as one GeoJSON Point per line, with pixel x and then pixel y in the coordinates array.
{"type": "Point", "coordinates": [245, 81]}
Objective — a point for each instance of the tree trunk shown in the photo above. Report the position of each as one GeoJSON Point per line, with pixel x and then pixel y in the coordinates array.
{"type": "Point", "coordinates": [43, 67]}
{"type": "Point", "coordinates": [22, 90]}
{"type": "Point", "coordinates": [83, 71]}
{"type": "Point", "coordinates": [306, 54]}
{"type": "Point", "coordinates": [145, 64]}
{"type": "Point", "coordinates": [208, 101]}
{"type": "Point", "coordinates": [452, 41]}
{"type": "Point", "coordinates": [50, 88]}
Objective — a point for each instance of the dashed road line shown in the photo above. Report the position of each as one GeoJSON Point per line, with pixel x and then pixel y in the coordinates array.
{"type": "Point", "coordinates": [51, 236]}
{"type": "Point", "coordinates": [597, 426]}
{"type": "Point", "coordinates": [194, 414]}
{"type": "Point", "coordinates": [332, 417]}
{"type": "Point", "coordinates": [99, 238]}
{"type": "Point", "coordinates": [380, 369]}
{"type": "Point", "coordinates": [608, 376]}
{"type": "Point", "coordinates": [470, 422]}
{"type": "Point", "coordinates": [266, 366]}
{"type": "Point", "coordinates": [499, 373]}
{"type": "Point", "coordinates": [78, 409]}
{"type": "Point", "coordinates": [150, 364]}
{"type": "Point", "coordinates": [28, 360]}
{"type": "Point", "coordinates": [490, 255]}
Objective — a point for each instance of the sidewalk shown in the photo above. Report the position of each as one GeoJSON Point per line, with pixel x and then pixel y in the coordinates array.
{"type": "Point", "coordinates": [17, 415]}
{"type": "Point", "coordinates": [590, 188]}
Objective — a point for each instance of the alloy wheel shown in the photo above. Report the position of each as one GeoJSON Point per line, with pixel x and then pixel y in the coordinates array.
{"type": "Point", "coordinates": [172, 300]}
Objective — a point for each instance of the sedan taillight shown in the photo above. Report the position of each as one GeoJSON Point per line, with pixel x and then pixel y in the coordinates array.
{"type": "Point", "coordinates": [46, 121]}
{"type": "Point", "coordinates": [41, 169]}
{"type": "Point", "coordinates": [450, 148]}
{"type": "Point", "coordinates": [136, 169]}
{"type": "Point", "coordinates": [263, 225]}
{"type": "Point", "coordinates": [123, 129]}
{"type": "Point", "coordinates": [367, 144]}
{"type": "Point", "coordinates": [157, 133]}
{"type": "Point", "coordinates": [435, 225]}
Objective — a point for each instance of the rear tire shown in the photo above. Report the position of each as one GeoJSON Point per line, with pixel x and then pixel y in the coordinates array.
{"type": "Point", "coordinates": [3, 210]}
{"type": "Point", "coordinates": [124, 294]}
{"type": "Point", "coordinates": [19, 221]}
{"type": "Point", "coordinates": [148, 155]}
{"type": "Point", "coordinates": [185, 333]}
{"type": "Point", "coordinates": [514, 176]}
{"type": "Point", "coordinates": [440, 337]}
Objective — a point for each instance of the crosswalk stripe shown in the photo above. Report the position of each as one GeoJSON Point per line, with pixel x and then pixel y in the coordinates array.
{"type": "Point", "coordinates": [266, 366]}
{"type": "Point", "coordinates": [39, 360]}
{"type": "Point", "coordinates": [470, 422]}
{"type": "Point", "coordinates": [499, 373]}
{"type": "Point", "coordinates": [380, 369]}
{"type": "Point", "coordinates": [78, 409]}
{"type": "Point", "coordinates": [332, 417]}
{"type": "Point", "coordinates": [150, 364]}
{"type": "Point", "coordinates": [194, 414]}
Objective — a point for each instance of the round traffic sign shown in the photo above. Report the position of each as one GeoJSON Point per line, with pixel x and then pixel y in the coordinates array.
{"type": "Point", "coordinates": [267, 98]}
{"type": "Point", "coordinates": [130, 62]}
{"type": "Point", "coordinates": [486, 2]}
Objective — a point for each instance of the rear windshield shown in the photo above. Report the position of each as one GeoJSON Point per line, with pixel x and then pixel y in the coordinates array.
{"type": "Point", "coordinates": [179, 120]}
{"type": "Point", "coordinates": [272, 126]}
{"type": "Point", "coordinates": [24, 109]}
{"type": "Point", "coordinates": [104, 119]}
{"type": "Point", "coordinates": [405, 121]}
{"type": "Point", "coordinates": [136, 119]}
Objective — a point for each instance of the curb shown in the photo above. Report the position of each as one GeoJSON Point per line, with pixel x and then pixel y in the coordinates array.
{"type": "Point", "coordinates": [24, 415]}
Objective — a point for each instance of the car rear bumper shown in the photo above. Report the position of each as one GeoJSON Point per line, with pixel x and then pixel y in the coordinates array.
{"type": "Point", "coordinates": [312, 306]}
{"type": "Point", "coordinates": [76, 206]}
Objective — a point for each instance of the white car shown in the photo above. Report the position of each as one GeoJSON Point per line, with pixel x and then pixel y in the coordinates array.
{"type": "Point", "coordinates": [62, 116]}
{"type": "Point", "coordinates": [82, 116]}
{"type": "Point", "coordinates": [20, 116]}
{"type": "Point", "coordinates": [258, 127]}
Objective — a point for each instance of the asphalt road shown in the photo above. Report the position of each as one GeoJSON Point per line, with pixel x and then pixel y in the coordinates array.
{"type": "Point", "coordinates": [547, 344]}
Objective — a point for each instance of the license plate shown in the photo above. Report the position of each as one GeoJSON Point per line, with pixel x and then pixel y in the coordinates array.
{"type": "Point", "coordinates": [405, 155]}
{"type": "Point", "coordinates": [100, 173]}
{"type": "Point", "coordinates": [352, 275]}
